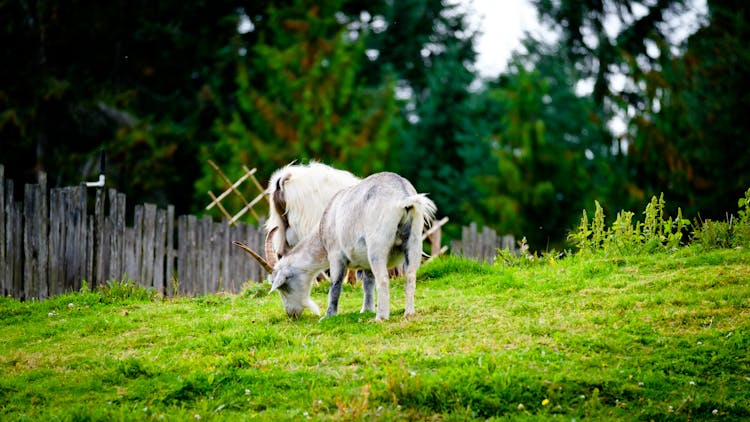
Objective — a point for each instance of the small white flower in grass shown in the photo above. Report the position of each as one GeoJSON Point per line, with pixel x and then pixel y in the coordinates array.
{"type": "Point", "coordinates": [71, 305]}
{"type": "Point", "coordinates": [247, 392]}
{"type": "Point", "coordinates": [715, 411]}
{"type": "Point", "coordinates": [671, 409]}
{"type": "Point", "coordinates": [51, 314]}
{"type": "Point", "coordinates": [521, 406]}
{"type": "Point", "coordinates": [197, 416]}
{"type": "Point", "coordinates": [692, 383]}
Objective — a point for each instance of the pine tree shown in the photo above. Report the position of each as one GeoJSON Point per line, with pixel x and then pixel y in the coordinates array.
{"type": "Point", "coordinates": [300, 98]}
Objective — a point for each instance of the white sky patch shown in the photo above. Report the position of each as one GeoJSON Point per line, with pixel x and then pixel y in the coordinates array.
{"type": "Point", "coordinates": [245, 25]}
{"type": "Point", "coordinates": [502, 25]}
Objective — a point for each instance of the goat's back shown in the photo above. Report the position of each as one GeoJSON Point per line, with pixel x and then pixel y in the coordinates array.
{"type": "Point", "coordinates": [370, 213]}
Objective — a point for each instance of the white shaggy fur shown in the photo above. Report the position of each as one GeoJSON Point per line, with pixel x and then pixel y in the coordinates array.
{"type": "Point", "coordinates": [305, 191]}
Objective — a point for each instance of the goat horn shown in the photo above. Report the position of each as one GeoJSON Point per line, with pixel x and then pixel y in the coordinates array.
{"type": "Point", "coordinates": [270, 253]}
{"type": "Point", "coordinates": [257, 257]}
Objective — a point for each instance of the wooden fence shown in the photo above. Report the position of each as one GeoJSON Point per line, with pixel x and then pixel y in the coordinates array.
{"type": "Point", "coordinates": [51, 241]}
{"type": "Point", "coordinates": [481, 246]}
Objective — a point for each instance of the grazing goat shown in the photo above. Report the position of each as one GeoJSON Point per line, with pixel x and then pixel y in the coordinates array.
{"type": "Point", "coordinates": [373, 225]}
{"type": "Point", "coordinates": [299, 194]}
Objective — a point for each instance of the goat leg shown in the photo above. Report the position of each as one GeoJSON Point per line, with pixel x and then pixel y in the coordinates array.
{"type": "Point", "coordinates": [338, 270]}
{"type": "Point", "coordinates": [368, 288]}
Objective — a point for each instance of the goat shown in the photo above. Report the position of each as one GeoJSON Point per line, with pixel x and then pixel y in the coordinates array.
{"type": "Point", "coordinates": [299, 195]}
{"type": "Point", "coordinates": [373, 225]}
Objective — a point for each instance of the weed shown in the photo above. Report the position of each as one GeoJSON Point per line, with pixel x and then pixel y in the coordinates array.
{"type": "Point", "coordinates": [126, 289]}
{"type": "Point", "coordinates": [741, 235]}
{"type": "Point", "coordinates": [627, 237]}
{"type": "Point", "coordinates": [734, 232]}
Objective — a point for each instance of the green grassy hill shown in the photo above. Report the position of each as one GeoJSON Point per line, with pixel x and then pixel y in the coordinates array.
{"type": "Point", "coordinates": [660, 336]}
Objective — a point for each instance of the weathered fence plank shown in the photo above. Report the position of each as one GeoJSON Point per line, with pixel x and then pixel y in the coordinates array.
{"type": "Point", "coordinates": [116, 227]}
{"type": "Point", "coordinates": [147, 245]}
{"type": "Point", "coordinates": [14, 243]}
{"type": "Point", "coordinates": [89, 249]}
{"type": "Point", "coordinates": [56, 246]}
{"type": "Point", "coordinates": [4, 288]}
{"type": "Point", "coordinates": [102, 243]}
{"type": "Point", "coordinates": [160, 234]}
{"type": "Point", "coordinates": [170, 262]}
{"type": "Point", "coordinates": [32, 246]}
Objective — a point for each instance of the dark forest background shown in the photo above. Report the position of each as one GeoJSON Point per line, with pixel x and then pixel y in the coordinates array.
{"type": "Point", "coordinates": [379, 85]}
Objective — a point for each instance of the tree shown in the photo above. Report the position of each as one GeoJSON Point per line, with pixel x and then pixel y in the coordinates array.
{"type": "Point", "coordinates": [683, 103]}
{"type": "Point", "coordinates": [132, 77]}
{"type": "Point", "coordinates": [300, 97]}
{"type": "Point", "coordinates": [690, 128]}
{"type": "Point", "coordinates": [440, 133]}
{"type": "Point", "coordinates": [542, 167]}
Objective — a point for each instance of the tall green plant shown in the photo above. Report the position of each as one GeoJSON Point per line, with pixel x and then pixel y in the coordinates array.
{"type": "Point", "coordinates": [625, 237]}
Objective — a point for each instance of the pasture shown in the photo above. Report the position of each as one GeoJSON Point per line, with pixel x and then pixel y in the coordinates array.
{"type": "Point", "coordinates": [661, 336]}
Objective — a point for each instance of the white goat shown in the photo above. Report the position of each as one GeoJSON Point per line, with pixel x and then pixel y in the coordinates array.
{"type": "Point", "coordinates": [299, 194]}
{"type": "Point", "coordinates": [373, 225]}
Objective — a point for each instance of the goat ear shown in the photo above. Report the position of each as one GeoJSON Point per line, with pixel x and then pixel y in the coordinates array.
{"type": "Point", "coordinates": [283, 180]}
{"type": "Point", "coordinates": [278, 281]}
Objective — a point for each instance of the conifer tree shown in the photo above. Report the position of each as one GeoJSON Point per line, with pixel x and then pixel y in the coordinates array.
{"type": "Point", "coordinates": [299, 98]}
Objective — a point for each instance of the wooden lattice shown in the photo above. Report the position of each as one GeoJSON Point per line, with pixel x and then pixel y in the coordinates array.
{"type": "Point", "coordinates": [232, 188]}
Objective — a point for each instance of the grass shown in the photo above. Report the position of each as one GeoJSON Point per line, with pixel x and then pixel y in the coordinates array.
{"type": "Point", "coordinates": [663, 336]}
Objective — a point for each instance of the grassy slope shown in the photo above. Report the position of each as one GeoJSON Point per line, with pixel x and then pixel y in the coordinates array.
{"type": "Point", "coordinates": [652, 337]}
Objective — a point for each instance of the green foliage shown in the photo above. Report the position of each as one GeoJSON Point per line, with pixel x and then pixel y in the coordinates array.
{"type": "Point", "coordinates": [544, 157]}
{"type": "Point", "coordinates": [658, 232]}
{"type": "Point", "coordinates": [382, 85]}
{"type": "Point", "coordinates": [130, 78]}
{"type": "Point", "coordinates": [742, 226]}
{"type": "Point", "coordinates": [735, 232]}
{"type": "Point", "coordinates": [441, 141]}
{"type": "Point", "coordinates": [625, 237]}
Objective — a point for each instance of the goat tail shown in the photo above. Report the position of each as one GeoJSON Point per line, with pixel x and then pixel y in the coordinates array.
{"type": "Point", "coordinates": [420, 204]}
